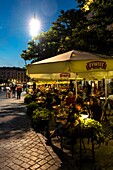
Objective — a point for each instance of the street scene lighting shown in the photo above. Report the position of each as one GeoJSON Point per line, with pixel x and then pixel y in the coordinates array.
{"type": "Point", "coordinates": [34, 26]}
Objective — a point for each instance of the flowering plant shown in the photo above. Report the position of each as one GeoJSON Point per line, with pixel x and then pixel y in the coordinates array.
{"type": "Point", "coordinates": [98, 131]}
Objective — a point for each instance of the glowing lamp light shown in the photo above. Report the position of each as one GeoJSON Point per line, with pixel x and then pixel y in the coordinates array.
{"type": "Point", "coordinates": [85, 116]}
{"type": "Point", "coordinates": [34, 27]}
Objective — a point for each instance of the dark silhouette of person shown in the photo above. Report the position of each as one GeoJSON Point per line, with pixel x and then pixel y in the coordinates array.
{"type": "Point", "coordinates": [34, 86]}
{"type": "Point", "coordinates": [96, 109]}
{"type": "Point", "coordinates": [87, 88]}
{"type": "Point", "coordinates": [71, 85]}
{"type": "Point", "coordinates": [19, 91]}
{"type": "Point", "coordinates": [13, 90]}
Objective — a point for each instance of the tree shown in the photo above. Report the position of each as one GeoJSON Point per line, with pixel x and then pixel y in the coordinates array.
{"type": "Point", "coordinates": [24, 55]}
{"type": "Point", "coordinates": [101, 23]}
{"type": "Point", "coordinates": [98, 35]}
{"type": "Point", "coordinates": [88, 29]}
{"type": "Point", "coordinates": [65, 25]}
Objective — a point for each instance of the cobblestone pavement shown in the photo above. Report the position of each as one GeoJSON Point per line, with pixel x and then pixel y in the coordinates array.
{"type": "Point", "coordinates": [21, 148]}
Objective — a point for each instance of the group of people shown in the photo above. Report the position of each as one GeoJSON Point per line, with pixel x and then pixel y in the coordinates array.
{"type": "Point", "coordinates": [93, 109]}
{"type": "Point", "coordinates": [89, 103]}
{"type": "Point", "coordinates": [59, 97]}
{"type": "Point", "coordinates": [12, 90]}
{"type": "Point", "coordinates": [55, 97]}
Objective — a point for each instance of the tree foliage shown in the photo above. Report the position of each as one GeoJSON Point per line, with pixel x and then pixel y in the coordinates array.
{"type": "Point", "coordinates": [79, 29]}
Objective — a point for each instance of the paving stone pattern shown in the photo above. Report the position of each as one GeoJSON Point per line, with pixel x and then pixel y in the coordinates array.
{"type": "Point", "coordinates": [26, 152]}
{"type": "Point", "coordinates": [20, 146]}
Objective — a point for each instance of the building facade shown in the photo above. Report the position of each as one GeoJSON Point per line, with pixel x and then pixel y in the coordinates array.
{"type": "Point", "coordinates": [13, 74]}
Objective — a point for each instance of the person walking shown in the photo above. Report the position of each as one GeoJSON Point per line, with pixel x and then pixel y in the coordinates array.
{"type": "Point", "coordinates": [13, 90]}
{"type": "Point", "coordinates": [19, 91]}
{"type": "Point", "coordinates": [8, 92]}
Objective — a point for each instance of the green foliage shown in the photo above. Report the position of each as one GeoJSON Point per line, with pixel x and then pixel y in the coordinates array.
{"type": "Point", "coordinates": [97, 128]}
{"type": "Point", "coordinates": [31, 107]}
{"type": "Point", "coordinates": [78, 29]}
{"type": "Point", "coordinates": [28, 99]}
{"type": "Point", "coordinates": [88, 123]}
{"type": "Point", "coordinates": [41, 114]}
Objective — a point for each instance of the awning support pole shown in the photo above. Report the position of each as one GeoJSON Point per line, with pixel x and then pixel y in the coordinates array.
{"type": "Point", "coordinates": [105, 89]}
{"type": "Point", "coordinates": [76, 85]}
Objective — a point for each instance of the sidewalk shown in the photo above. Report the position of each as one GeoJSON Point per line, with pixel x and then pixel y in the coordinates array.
{"type": "Point", "coordinates": [21, 148]}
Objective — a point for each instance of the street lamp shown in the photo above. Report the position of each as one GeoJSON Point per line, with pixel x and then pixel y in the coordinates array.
{"type": "Point", "coordinates": [34, 26]}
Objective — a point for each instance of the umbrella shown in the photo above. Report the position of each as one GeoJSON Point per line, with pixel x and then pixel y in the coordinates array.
{"type": "Point", "coordinates": [82, 64]}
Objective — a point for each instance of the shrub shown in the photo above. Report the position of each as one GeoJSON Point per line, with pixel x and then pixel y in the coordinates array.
{"type": "Point", "coordinates": [31, 107]}
{"type": "Point", "coordinates": [40, 116]}
{"type": "Point", "coordinates": [28, 99]}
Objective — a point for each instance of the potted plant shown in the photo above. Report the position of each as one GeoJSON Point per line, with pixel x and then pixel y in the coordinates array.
{"type": "Point", "coordinates": [98, 131]}
{"type": "Point", "coordinates": [40, 118]}
{"type": "Point", "coordinates": [31, 107]}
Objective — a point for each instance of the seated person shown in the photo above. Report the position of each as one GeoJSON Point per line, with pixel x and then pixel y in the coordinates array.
{"type": "Point", "coordinates": [96, 110]}
{"type": "Point", "coordinates": [70, 99]}
{"type": "Point", "coordinates": [62, 129]}
{"type": "Point", "coordinates": [69, 127]}
{"type": "Point", "coordinates": [56, 99]}
{"type": "Point", "coordinates": [108, 106]}
{"type": "Point", "coordinates": [78, 106]}
{"type": "Point", "coordinates": [48, 101]}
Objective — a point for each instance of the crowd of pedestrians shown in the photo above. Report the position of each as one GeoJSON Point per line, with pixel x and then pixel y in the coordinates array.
{"type": "Point", "coordinates": [13, 91]}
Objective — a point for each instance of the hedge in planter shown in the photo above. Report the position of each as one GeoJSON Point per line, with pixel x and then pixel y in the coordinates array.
{"type": "Point", "coordinates": [40, 118]}
{"type": "Point", "coordinates": [31, 107]}
{"type": "Point", "coordinates": [97, 129]}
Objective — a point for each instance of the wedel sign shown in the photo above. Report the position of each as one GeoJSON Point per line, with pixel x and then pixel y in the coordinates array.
{"type": "Point", "coordinates": [64, 75]}
{"type": "Point", "coordinates": [96, 65]}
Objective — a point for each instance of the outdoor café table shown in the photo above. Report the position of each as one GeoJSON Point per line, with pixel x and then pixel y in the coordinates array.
{"type": "Point", "coordinates": [60, 113]}
{"type": "Point", "coordinates": [84, 136]}
{"type": "Point", "coordinates": [80, 133]}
